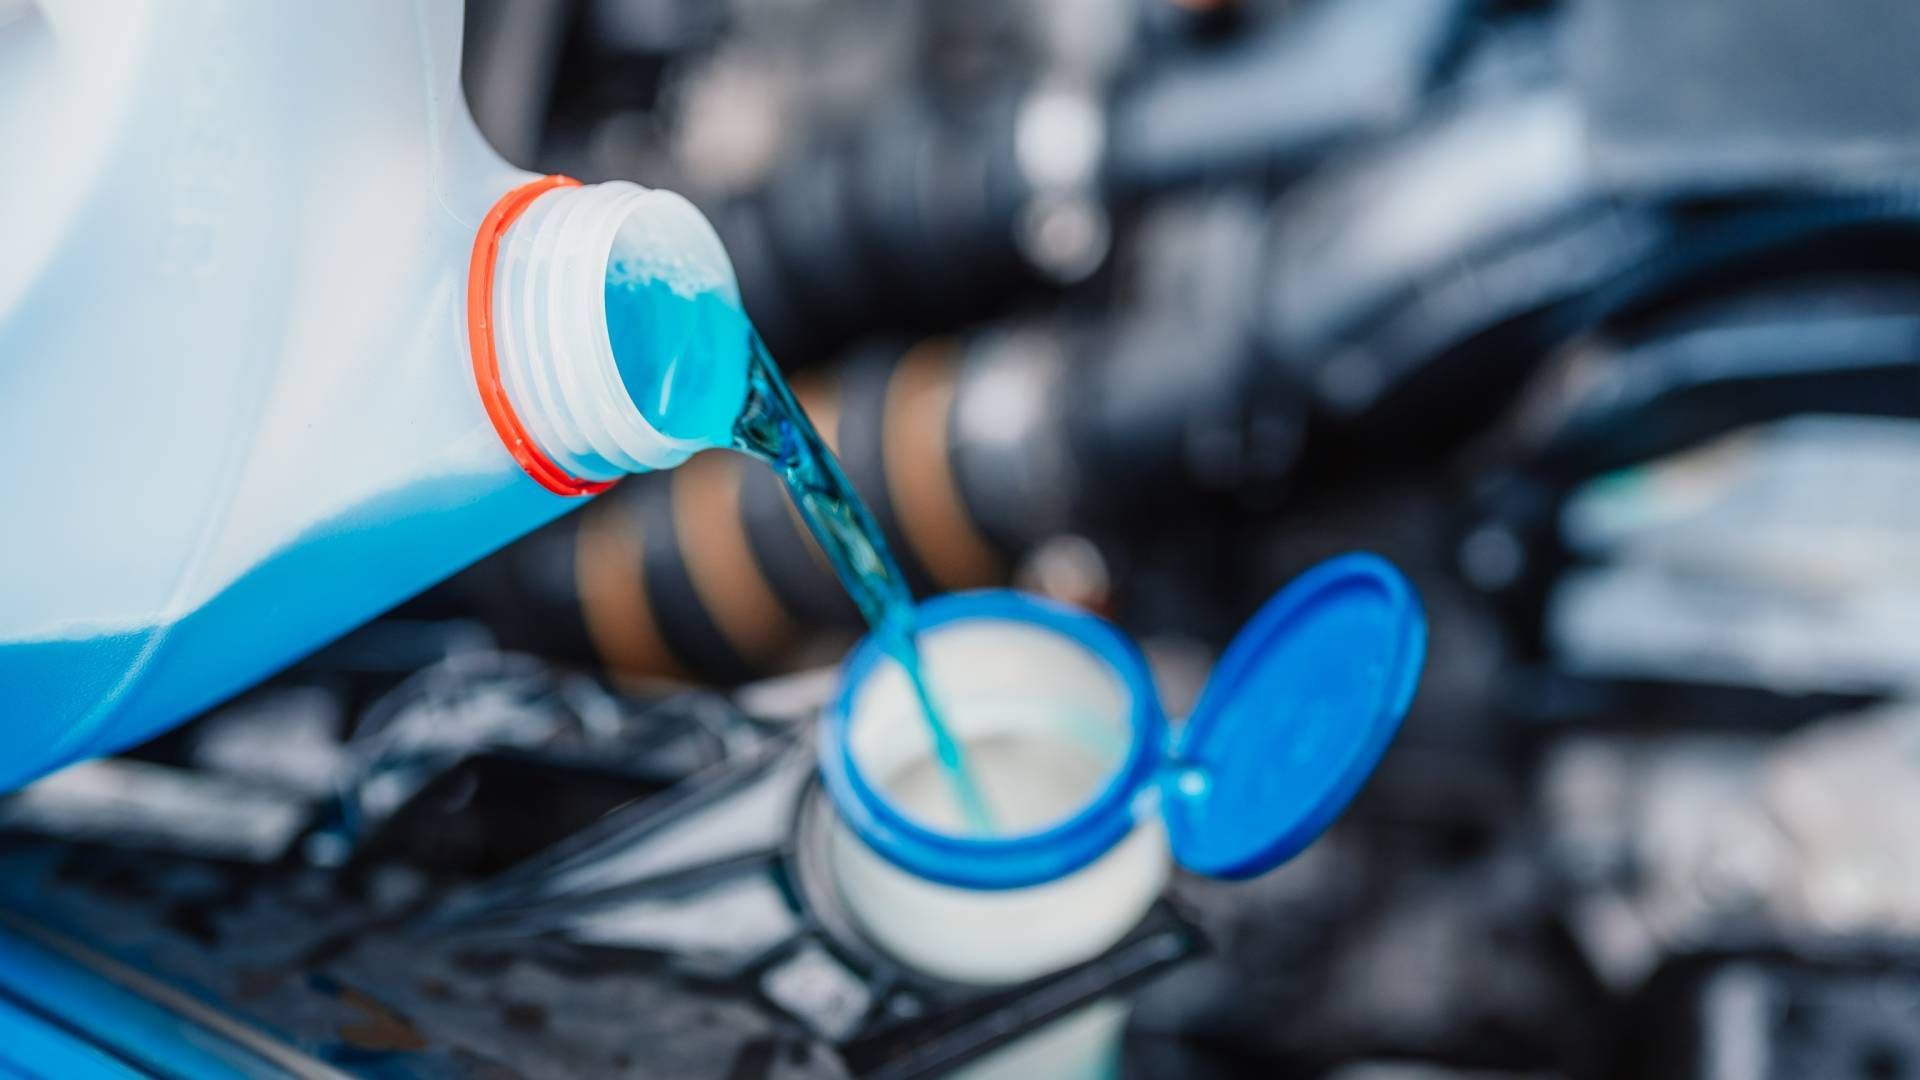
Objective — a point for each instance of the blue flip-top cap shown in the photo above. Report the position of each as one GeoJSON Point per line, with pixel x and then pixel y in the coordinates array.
{"type": "Point", "coordinates": [1293, 721]}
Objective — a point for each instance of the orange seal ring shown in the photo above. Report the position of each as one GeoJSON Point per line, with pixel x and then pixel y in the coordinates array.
{"type": "Point", "coordinates": [486, 362]}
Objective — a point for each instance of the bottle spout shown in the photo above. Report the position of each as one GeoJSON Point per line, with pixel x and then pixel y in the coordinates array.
{"type": "Point", "coordinates": [614, 328]}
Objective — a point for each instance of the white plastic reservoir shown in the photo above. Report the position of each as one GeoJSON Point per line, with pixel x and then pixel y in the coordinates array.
{"type": "Point", "coordinates": [1046, 723]}
{"type": "Point", "coordinates": [1092, 798]}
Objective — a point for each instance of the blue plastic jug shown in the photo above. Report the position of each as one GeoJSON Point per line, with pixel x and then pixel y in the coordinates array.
{"type": "Point", "coordinates": [283, 341]}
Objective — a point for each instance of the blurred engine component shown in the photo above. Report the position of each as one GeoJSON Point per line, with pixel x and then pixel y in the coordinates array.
{"type": "Point", "coordinates": [1759, 94]}
{"type": "Point", "coordinates": [1773, 1015]}
{"type": "Point", "coordinates": [145, 805]}
{"type": "Point", "coordinates": [1678, 843]}
{"type": "Point", "coordinates": [1415, 286]}
{"type": "Point", "coordinates": [464, 744]}
{"type": "Point", "coordinates": [1635, 447]}
{"type": "Point", "coordinates": [1777, 558]}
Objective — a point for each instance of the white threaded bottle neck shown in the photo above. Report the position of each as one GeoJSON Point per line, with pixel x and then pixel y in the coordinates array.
{"type": "Point", "coordinates": [550, 332]}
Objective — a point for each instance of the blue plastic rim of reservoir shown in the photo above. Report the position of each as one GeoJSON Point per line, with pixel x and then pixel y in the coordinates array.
{"type": "Point", "coordinates": [998, 862]}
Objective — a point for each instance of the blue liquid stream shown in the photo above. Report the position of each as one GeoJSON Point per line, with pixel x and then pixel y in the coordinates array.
{"type": "Point", "coordinates": [694, 367]}
{"type": "Point", "coordinates": [775, 429]}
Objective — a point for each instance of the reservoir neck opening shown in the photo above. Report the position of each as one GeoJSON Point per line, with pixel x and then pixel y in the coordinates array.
{"type": "Point", "coordinates": [1015, 859]}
